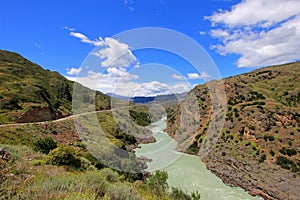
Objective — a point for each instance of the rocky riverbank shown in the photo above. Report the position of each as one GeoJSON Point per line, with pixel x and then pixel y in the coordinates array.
{"type": "Point", "coordinates": [268, 181]}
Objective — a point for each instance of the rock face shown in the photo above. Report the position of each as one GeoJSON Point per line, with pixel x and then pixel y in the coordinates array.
{"type": "Point", "coordinates": [268, 181]}
{"type": "Point", "coordinates": [38, 114]}
{"type": "Point", "coordinates": [258, 146]}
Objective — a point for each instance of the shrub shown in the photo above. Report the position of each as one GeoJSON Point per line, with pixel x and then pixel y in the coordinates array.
{"type": "Point", "coordinates": [177, 193]}
{"type": "Point", "coordinates": [86, 164]}
{"type": "Point", "coordinates": [64, 155]}
{"type": "Point", "coordinates": [44, 145]}
{"type": "Point", "coordinates": [193, 148]}
{"type": "Point", "coordinates": [269, 137]}
{"type": "Point", "coordinates": [121, 191]}
{"type": "Point", "coordinates": [289, 152]}
{"type": "Point", "coordinates": [109, 175]}
{"type": "Point", "coordinates": [285, 162]}
{"type": "Point", "coordinates": [157, 183]}
{"type": "Point", "coordinates": [272, 152]}
{"type": "Point", "coordinates": [263, 158]}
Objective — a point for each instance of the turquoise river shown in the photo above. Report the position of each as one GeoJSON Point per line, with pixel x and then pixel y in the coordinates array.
{"type": "Point", "coordinates": [186, 171]}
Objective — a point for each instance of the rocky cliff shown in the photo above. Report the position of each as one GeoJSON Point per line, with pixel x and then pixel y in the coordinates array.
{"type": "Point", "coordinates": [257, 146]}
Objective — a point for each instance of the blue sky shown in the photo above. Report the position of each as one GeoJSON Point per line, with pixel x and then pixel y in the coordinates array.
{"type": "Point", "coordinates": [59, 35]}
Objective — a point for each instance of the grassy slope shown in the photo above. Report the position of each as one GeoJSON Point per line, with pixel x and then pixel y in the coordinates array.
{"type": "Point", "coordinates": [262, 124]}
{"type": "Point", "coordinates": [24, 84]}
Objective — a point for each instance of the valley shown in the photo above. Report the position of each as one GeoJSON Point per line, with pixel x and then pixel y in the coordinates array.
{"type": "Point", "coordinates": [257, 148]}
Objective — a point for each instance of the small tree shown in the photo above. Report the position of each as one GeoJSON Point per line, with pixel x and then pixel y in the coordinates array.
{"type": "Point", "coordinates": [158, 183]}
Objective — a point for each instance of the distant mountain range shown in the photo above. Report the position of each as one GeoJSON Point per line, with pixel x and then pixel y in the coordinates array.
{"type": "Point", "coordinates": [170, 99]}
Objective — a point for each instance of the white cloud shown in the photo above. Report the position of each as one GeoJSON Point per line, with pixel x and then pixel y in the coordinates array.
{"type": "Point", "coordinates": [112, 52]}
{"type": "Point", "coordinates": [110, 83]}
{"type": "Point", "coordinates": [74, 71]}
{"type": "Point", "coordinates": [155, 88]}
{"type": "Point", "coordinates": [69, 28]}
{"type": "Point", "coordinates": [177, 77]}
{"type": "Point", "coordinates": [262, 32]}
{"type": "Point", "coordinates": [115, 79]}
{"type": "Point", "coordinates": [119, 75]}
{"type": "Point", "coordinates": [82, 37]}
{"type": "Point", "coordinates": [202, 32]}
{"type": "Point", "coordinates": [116, 57]}
{"type": "Point", "coordinates": [94, 75]}
{"type": "Point", "coordinates": [205, 75]}
{"type": "Point", "coordinates": [194, 76]}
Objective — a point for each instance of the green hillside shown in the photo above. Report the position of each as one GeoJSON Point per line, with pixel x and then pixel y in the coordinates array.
{"type": "Point", "coordinates": [258, 147]}
{"type": "Point", "coordinates": [24, 85]}
{"type": "Point", "coordinates": [51, 160]}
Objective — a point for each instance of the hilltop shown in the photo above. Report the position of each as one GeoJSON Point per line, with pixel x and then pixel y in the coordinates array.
{"type": "Point", "coordinates": [30, 93]}
{"type": "Point", "coordinates": [258, 147]}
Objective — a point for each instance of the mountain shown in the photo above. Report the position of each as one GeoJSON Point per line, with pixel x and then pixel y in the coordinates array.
{"type": "Point", "coordinates": [30, 93]}
{"type": "Point", "coordinates": [120, 97]}
{"type": "Point", "coordinates": [165, 100]}
{"type": "Point", "coordinates": [258, 147]}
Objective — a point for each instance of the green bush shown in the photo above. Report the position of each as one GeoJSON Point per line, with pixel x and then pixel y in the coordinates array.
{"type": "Point", "coordinates": [64, 155]}
{"type": "Point", "coordinates": [177, 193]}
{"type": "Point", "coordinates": [285, 162]}
{"type": "Point", "coordinates": [263, 158]}
{"type": "Point", "coordinates": [157, 183]}
{"type": "Point", "coordinates": [44, 145]}
{"type": "Point", "coordinates": [121, 191]}
{"type": "Point", "coordinates": [193, 148]}
{"type": "Point", "coordinates": [109, 175]}
{"type": "Point", "coordinates": [269, 137]}
{"type": "Point", "coordinates": [289, 152]}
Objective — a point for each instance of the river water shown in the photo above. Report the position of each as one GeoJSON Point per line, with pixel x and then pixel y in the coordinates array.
{"type": "Point", "coordinates": [186, 171]}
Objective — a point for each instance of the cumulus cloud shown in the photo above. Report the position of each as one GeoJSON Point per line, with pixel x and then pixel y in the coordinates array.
{"type": "Point", "coordinates": [113, 83]}
{"type": "Point", "coordinates": [74, 71]}
{"type": "Point", "coordinates": [116, 57]}
{"type": "Point", "coordinates": [112, 52]}
{"type": "Point", "coordinates": [262, 32]}
{"type": "Point", "coordinates": [155, 88]}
